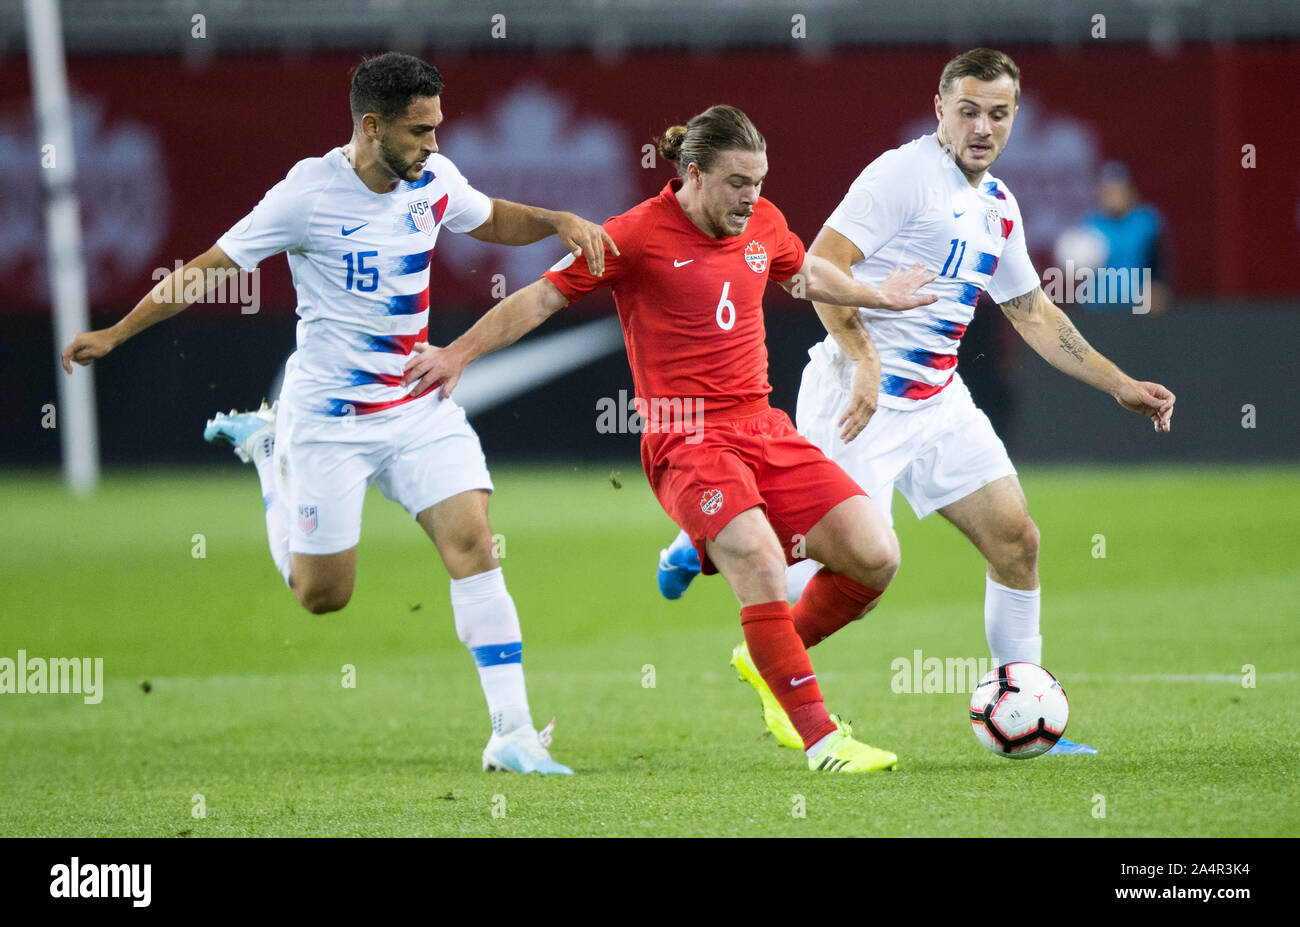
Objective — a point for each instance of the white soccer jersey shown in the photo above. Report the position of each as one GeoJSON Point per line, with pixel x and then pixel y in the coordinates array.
{"type": "Point", "coordinates": [360, 264]}
{"type": "Point", "coordinates": [913, 204]}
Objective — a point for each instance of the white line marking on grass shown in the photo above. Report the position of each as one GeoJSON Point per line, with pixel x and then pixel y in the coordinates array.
{"type": "Point", "coordinates": [1234, 678]}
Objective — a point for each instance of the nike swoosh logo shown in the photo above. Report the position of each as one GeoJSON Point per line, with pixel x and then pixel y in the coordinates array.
{"type": "Point", "coordinates": [958, 215]}
{"type": "Point", "coordinates": [506, 656]}
{"type": "Point", "coordinates": [348, 231]}
{"type": "Point", "coordinates": [683, 263]}
{"type": "Point", "coordinates": [799, 682]}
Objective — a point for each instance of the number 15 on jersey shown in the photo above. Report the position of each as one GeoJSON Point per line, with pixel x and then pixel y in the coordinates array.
{"type": "Point", "coordinates": [366, 279]}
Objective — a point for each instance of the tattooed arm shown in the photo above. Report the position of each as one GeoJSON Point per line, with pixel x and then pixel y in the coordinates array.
{"type": "Point", "coordinates": [1050, 332]}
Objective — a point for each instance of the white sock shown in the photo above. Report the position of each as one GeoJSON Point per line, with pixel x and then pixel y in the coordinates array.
{"type": "Point", "coordinates": [488, 624]}
{"type": "Point", "coordinates": [818, 747]}
{"type": "Point", "coordinates": [797, 575]}
{"type": "Point", "coordinates": [273, 494]}
{"type": "Point", "coordinates": [1011, 623]}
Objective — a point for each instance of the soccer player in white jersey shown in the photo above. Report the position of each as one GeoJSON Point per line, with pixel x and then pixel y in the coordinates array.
{"type": "Point", "coordinates": [881, 396]}
{"type": "Point", "coordinates": [359, 226]}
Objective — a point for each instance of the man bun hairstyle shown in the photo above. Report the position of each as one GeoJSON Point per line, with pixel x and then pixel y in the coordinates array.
{"type": "Point", "coordinates": [980, 63]}
{"type": "Point", "coordinates": [719, 128]}
{"type": "Point", "coordinates": [670, 143]}
{"type": "Point", "coordinates": [387, 83]}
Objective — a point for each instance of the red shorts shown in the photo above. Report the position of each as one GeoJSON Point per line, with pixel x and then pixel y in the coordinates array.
{"type": "Point", "coordinates": [705, 479]}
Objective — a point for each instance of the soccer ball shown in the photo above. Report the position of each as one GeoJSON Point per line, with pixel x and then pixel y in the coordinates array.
{"type": "Point", "coordinates": [1018, 710]}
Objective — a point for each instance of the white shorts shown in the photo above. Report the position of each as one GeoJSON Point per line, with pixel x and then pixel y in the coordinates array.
{"type": "Point", "coordinates": [418, 454]}
{"type": "Point", "coordinates": [935, 455]}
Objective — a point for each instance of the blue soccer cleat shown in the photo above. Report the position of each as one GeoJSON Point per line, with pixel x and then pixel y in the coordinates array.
{"type": "Point", "coordinates": [678, 565]}
{"type": "Point", "coordinates": [251, 433]}
{"type": "Point", "coordinates": [523, 750]}
{"type": "Point", "coordinates": [1064, 747]}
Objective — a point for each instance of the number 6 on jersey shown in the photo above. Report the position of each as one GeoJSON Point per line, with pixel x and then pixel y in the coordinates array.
{"type": "Point", "coordinates": [724, 304]}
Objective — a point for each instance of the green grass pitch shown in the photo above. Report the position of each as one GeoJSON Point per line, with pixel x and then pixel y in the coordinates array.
{"type": "Point", "coordinates": [246, 704]}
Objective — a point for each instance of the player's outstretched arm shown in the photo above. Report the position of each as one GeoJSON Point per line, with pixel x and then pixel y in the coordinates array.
{"type": "Point", "coordinates": [826, 283]}
{"type": "Point", "coordinates": [844, 324]}
{"type": "Point", "coordinates": [517, 224]}
{"type": "Point", "coordinates": [505, 323]}
{"type": "Point", "coordinates": [1050, 332]}
{"type": "Point", "coordinates": [160, 303]}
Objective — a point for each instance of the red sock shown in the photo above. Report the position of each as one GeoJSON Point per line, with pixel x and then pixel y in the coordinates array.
{"type": "Point", "coordinates": [829, 602]}
{"type": "Point", "coordinates": [783, 663]}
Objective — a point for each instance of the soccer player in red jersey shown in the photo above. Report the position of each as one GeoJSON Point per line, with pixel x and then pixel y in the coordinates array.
{"type": "Point", "coordinates": [728, 468]}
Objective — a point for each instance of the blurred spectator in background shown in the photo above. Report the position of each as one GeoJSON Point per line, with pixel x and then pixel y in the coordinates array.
{"type": "Point", "coordinates": [1122, 241]}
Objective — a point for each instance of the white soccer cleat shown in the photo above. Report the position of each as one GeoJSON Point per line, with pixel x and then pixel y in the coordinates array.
{"type": "Point", "coordinates": [523, 750]}
{"type": "Point", "coordinates": [251, 433]}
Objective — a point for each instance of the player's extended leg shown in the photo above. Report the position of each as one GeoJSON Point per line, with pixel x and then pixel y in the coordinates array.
{"type": "Point", "coordinates": [253, 436]}
{"type": "Point", "coordinates": [859, 544]}
{"type": "Point", "coordinates": [679, 563]}
{"type": "Point", "coordinates": [321, 583]}
{"type": "Point", "coordinates": [859, 554]}
{"type": "Point", "coordinates": [747, 553]}
{"type": "Point", "coordinates": [488, 624]}
{"type": "Point", "coordinates": [996, 520]}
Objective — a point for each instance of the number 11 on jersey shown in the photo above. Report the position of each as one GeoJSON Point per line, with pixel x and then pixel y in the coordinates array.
{"type": "Point", "coordinates": [957, 266]}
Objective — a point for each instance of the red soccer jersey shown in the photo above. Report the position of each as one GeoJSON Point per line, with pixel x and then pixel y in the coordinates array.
{"type": "Point", "coordinates": [691, 306]}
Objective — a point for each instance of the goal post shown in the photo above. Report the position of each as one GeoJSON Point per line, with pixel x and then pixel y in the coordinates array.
{"type": "Point", "coordinates": [75, 418]}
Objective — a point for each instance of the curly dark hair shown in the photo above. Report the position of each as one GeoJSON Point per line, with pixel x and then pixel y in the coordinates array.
{"type": "Point", "coordinates": [387, 83]}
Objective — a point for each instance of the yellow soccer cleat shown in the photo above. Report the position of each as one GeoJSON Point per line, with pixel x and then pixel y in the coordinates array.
{"type": "Point", "coordinates": [778, 722]}
{"type": "Point", "coordinates": [844, 754]}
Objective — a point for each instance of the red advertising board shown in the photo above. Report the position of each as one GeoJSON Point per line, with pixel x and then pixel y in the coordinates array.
{"type": "Point", "coordinates": [172, 152]}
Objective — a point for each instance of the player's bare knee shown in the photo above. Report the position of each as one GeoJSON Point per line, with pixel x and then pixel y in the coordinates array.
{"type": "Point", "coordinates": [876, 571]}
{"type": "Point", "coordinates": [874, 562]}
{"type": "Point", "coordinates": [750, 546]}
{"type": "Point", "coordinates": [755, 559]}
{"type": "Point", "coordinates": [770, 570]}
{"type": "Point", "coordinates": [887, 557]}
{"type": "Point", "coordinates": [1016, 551]}
{"type": "Point", "coordinates": [1025, 543]}
{"type": "Point", "coordinates": [469, 552]}
{"type": "Point", "coordinates": [469, 544]}
{"type": "Point", "coordinates": [324, 604]}
{"type": "Point", "coordinates": [762, 576]}
{"type": "Point", "coordinates": [321, 600]}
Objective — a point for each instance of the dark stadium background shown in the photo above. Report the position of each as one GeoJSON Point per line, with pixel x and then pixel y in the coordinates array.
{"type": "Point", "coordinates": [179, 136]}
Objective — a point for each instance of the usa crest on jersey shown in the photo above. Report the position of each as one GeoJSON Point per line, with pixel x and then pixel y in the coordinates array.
{"type": "Point", "coordinates": [993, 221]}
{"type": "Point", "coordinates": [423, 217]}
{"type": "Point", "coordinates": [307, 518]}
